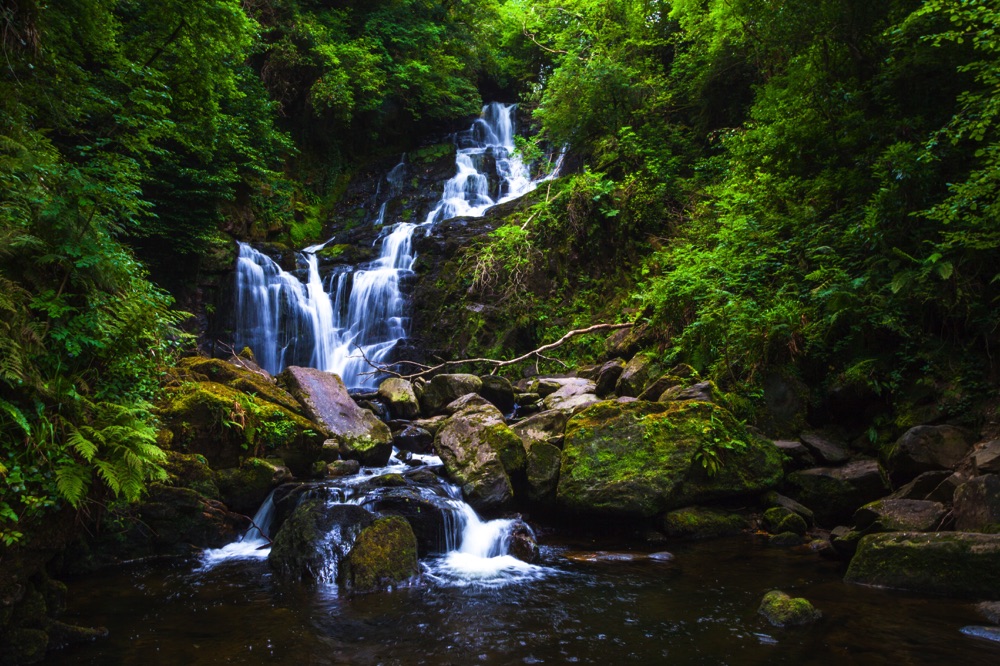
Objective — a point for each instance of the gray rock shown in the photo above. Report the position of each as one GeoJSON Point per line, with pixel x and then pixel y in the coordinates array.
{"type": "Point", "coordinates": [834, 493]}
{"type": "Point", "coordinates": [607, 376]}
{"type": "Point", "coordinates": [773, 499]}
{"type": "Point", "coordinates": [825, 446]}
{"type": "Point", "coordinates": [990, 610]}
{"type": "Point", "coordinates": [899, 515]}
{"type": "Point", "coordinates": [845, 541]}
{"type": "Point", "coordinates": [398, 394]}
{"type": "Point", "coordinates": [339, 468]}
{"type": "Point", "coordinates": [656, 388]}
{"type": "Point", "coordinates": [571, 388]}
{"type": "Point", "coordinates": [987, 457]}
{"type": "Point", "coordinates": [797, 452]}
{"type": "Point", "coordinates": [473, 400]}
{"type": "Point", "coordinates": [443, 389]}
{"type": "Point", "coordinates": [523, 545]}
{"type": "Point", "coordinates": [542, 470]}
{"type": "Point", "coordinates": [414, 439]}
{"type": "Point", "coordinates": [324, 397]}
{"type": "Point", "coordinates": [499, 391]}
{"type": "Point", "coordinates": [922, 486]}
{"type": "Point", "coordinates": [636, 375]}
{"type": "Point", "coordinates": [548, 426]}
{"type": "Point", "coordinates": [945, 491]}
{"type": "Point", "coordinates": [925, 449]}
{"type": "Point", "coordinates": [977, 505]}
{"type": "Point", "coordinates": [702, 392]}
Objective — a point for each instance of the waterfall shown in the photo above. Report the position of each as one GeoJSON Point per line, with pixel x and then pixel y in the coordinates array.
{"type": "Point", "coordinates": [325, 324]}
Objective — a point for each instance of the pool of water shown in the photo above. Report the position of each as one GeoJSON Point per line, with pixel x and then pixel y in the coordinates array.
{"type": "Point", "coordinates": [699, 608]}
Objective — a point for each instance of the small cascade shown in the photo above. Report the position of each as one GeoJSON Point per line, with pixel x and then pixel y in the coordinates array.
{"type": "Point", "coordinates": [356, 317]}
{"type": "Point", "coordinates": [253, 544]}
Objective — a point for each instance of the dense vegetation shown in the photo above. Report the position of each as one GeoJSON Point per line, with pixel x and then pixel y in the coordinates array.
{"type": "Point", "coordinates": [776, 187]}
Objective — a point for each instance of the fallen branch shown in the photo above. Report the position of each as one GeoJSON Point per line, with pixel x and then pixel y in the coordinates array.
{"type": "Point", "coordinates": [495, 363]}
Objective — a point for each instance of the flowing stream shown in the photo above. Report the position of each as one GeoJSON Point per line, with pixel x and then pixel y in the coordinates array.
{"type": "Point", "coordinates": [337, 322]}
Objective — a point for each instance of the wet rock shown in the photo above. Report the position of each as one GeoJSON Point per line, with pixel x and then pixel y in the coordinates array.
{"type": "Point", "coordinates": [977, 505]}
{"type": "Point", "coordinates": [467, 401]}
{"type": "Point", "coordinates": [778, 519]}
{"type": "Point", "coordinates": [607, 377]}
{"type": "Point", "coordinates": [606, 556]}
{"type": "Point", "coordinates": [786, 540]}
{"type": "Point", "coordinates": [985, 633]}
{"type": "Point", "coordinates": [245, 488]}
{"type": "Point", "coordinates": [825, 447]}
{"type": "Point", "coordinates": [797, 452]}
{"type": "Point", "coordinates": [702, 391]}
{"type": "Point", "coordinates": [834, 493]}
{"type": "Point", "coordinates": [414, 439]}
{"type": "Point", "coordinates": [523, 545]}
{"type": "Point", "coordinates": [945, 491]}
{"type": "Point", "coordinates": [925, 449]}
{"type": "Point", "coordinates": [697, 522]}
{"type": "Point", "coordinates": [443, 389]}
{"type": "Point", "coordinates": [548, 426]}
{"type": "Point", "coordinates": [432, 424]}
{"type": "Point", "coordinates": [922, 486]}
{"type": "Point", "coordinates": [341, 468]}
{"type": "Point", "coordinates": [947, 563]}
{"type": "Point", "coordinates": [543, 471]}
{"type": "Point", "coordinates": [986, 457]}
{"type": "Point", "coordinates": [499, 391]}
{"type": "Point", "coordinates": [636, 375]}
{"type": "Point", "coordinates": [313, 542]}
{"type": "Point", "coordinates": [424, 510]}
{"type": "Point", "coordinates": [640, 458]}
{"type": "Point", "coordinates": [990, 610]}
{"type": "Point", "coordinates": [773, 499]}
{"type": "Point", "coordinates": [63, 635]}
{"type": "Point", "coordinates": [384, 554]}
{"type": "Point", "coordinates": [399, 396]}
{"type": "Point", "coordinates": [172, 517]}
{"type": "Point", "coordinates": [238, 374]}
{"type": "Point", "coordinates": [845, 540]}
{"type": "Point", "coordinates": [323, 395]}
{"type": "Point", "coordinates": [782, 610]}
{"type": "Point", "coordinates": [899, 515]}
{"type": "Point", "coordinates": [480, 452]}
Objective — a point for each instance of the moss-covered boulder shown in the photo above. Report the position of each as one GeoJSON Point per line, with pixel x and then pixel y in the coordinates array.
{"type": "Point", "coordinates": [313, 542]}
{"type": "Point", "coordinates": [636, 375]}
{"type": "Point", "coordinates": [695, 522]}
{"type": "Point", "coordinates": [782, 610]}
{"type": "Point", "coordinates": [384, 554]}
{"type": "Point", "coordinates": [499, 391]}
{"type": "Point", "coordinates": [239, 374]}
{"type": "Point", "coordinates": [924, 449]}
{"type": "Point", "coordinates": [977, 505]}
{"type": "Point", "coordinates": [226, 426]}
{"type": "Point", "coordinates": [542, 470]}
{"type": "Point", "coordinates": [899, 515]}
{"type": "Point", "coordinates": [481, 453]}
{"type": "Point", "coordinates": [244, 488]}
{"type": "Point", "coordinates": [958, 564]}
{"type": "Point", "coordinates": [443, 389]}
{"type": "Point", "coordinates": [639, 458]}
{"type": "Point", "coordinates": [399, 396]}
{"type": "Point", "coordinates": [191, 470]}
{"type": "Point", "coordinates": [834, 493]}
{"type": "Point", "coordinates": [778, 520]}
{"type": "Point", "coordinates": [362, 436]}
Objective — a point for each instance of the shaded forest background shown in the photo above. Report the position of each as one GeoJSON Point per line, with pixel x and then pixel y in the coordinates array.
{"type": "Point", "coordinates": [774, 190]}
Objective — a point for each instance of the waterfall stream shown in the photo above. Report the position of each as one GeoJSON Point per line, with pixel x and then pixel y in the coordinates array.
{"type": "Point", "coordinates": [336, 323]}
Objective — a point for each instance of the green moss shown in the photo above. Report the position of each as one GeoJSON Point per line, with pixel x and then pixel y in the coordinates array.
{"type": "Point", "coordinates": [507, 445]}
{"type": "Point", "coordinates": [700, 523]}
{"type": "Point", "coordinates": [782, 610]}
{"type": "Point", "coordinates": [778, 519]}
{"type": "Point", "coordinates": [384, 554]}
{"type": "Point", "coordinates": [188, 470]}
{"type": "Point", "coordinates": [438, 151]}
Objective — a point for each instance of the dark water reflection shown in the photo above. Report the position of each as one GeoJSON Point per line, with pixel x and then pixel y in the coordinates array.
{"type": "Point", "coordinates": [701, 609]}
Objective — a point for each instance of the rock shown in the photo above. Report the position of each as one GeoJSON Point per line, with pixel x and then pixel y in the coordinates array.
{"type": "Point", "coordinates": [825, 447]}
{"type": "Point", "coordinates": [414, 439]}
{"type": "Point", "coordinates": [180, 516]}
{"type": "Point", "coordinates": [925, 449]}
{"type": "Point", "coordinates": [443, 389]}
{"type": "Point", "coordinates": [469, 400]}
{"type": "Point", "coordinates": [432, 424]}
{"type": "Point", "coordinates": [425, 512]}
{"type": "Point", "coordinates": [499, 391]}
{"type": "Point", "coordinates": [922, 486]}
{"type": "Point", "coordinates": [543, 386]}
{"type": "Point", "coordinates": [977, 505]}
{"type": "Point", "coordinates": [786, 401]}
{"type": "Point", "coordinates": [786, 540]}
{"type": "Point", "coordinates": [212, 420]}
{"type": "Point", "coordinates": [796, 452]}
{"type": "Point", "coordinates": [986, 457]}
{"type": "Point", "coordinates": [989, 610]}
{"type": "Point", "coordinates": [845, 541]}
{"type": "Point", "coordinates": [636, 375]}
{"type": "Point", "coordinates": [548, 426]}
{"type": "Point", "coordinates": [773, 499]}
{"type": "Point", "coordinates": [607, 377]}
{"type": "Point", "coordinates": [605, 556]}
{"type": "Point", "coordinates": [543, 471]}
{"type": "Point", "coordinates": [782, 610]}
{"type": "Point", "coordinates": [702, 391]}
{"type": "Point", "coordinates": [315, 539]}
{"type": "Point", "coordinates": [655, 389]}
{"type": "Point", "coordinates": [639, 459]}
{"type": "Point", "coordinates": [945, 492]}
{"type": "Point", "coordinates": [834, 493]}
{"type": "Point", "coordinates": [323, 395]}
{"type": "Point", "coordinates": [480, 453]}
{"type": "Point", "coordinates": [571, 388]}
{"type": "Point", "coordinates": [899, 515]}
{"type": "Point", "coordinates": [191, 470]}
{"type": "Point", "coordinates": [778, 519]}
{"type": "Point", "coordinates": [399, 396]}
{"type": "Point", "coordinates": [62, 635]}
{"type": "Point", "coordinates": [697, 522]}
{"type": "Point", "coordinates": [985, 633]}
{"type": "Point", "coordinates": [238, 374]}
{"type": "Point", "coordinates": [384, 554]}
{"type": "Point", "coordinates": [341, 468]}
{"type": "Point", "coordinates": [243, 489]}
{"type": "Point", "coordinates": [946, 563]}
{"type": "Point", "coordinates": [523, 545]}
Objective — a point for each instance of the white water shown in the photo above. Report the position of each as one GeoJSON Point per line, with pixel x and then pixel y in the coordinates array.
{"type": "Point", "coordinates": [356, 318]}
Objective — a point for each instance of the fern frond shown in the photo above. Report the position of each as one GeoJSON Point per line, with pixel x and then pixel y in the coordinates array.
{"type": "Point", "coordinates": [72, 481]}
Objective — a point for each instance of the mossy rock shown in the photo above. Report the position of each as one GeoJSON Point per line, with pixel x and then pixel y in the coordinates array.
{"type": "Point", "coordinates": [444, 389]}
{"type": "Point", "coordinates": [956, 564]}
{"type": "Point", "coordinates": [697, 522]}
{"type": "Point", "coordinates": [543, 471]}
{"type": "Point", "coordinates": [24, 646]}
{"type": "Point", "coordinates": [782, 610]}
{"type": "Point", "coordinates": [638, 373]}
{"type": "Point", "coordinates": [201, 369]}
{"type": "Point", "coordinates": [303, 548]}
{"type": "Point", "coordinates": [638, 459]}
{"type": "Point", "coordinates": [245, 488]}
{"type": "Point", "coordinates": [432, 153]}
{"type": "Point", "coordinates": [835, 493]}
{"type": "Point", "coordinates": [779, 519]}
{"type": "Point", "coordinates": [384, 554]}
{"type": "Point", "coordinates": [191, 470]}
{"type": "Point", "coordinates": [399, 395]}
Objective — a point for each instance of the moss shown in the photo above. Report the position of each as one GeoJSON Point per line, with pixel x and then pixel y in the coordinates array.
{"type": "Point", "coordinates": [333, 251]}
{"type": "Point", "coordinates": [384, 554]}
{"type": "Point", "coordinates": [782, 610]}
{"type": "Point", "coordinates": [190, 470]}
{"type": "Point", "coordinates": [508, 446]}
{"type": "Point", "coordinates": [543, 470]}
{"type": "Point", "coordinates": [701, 523]}
{"type": "Point", "coordinates": [438, 151]}
{"type": "Point", "coordinates": [778, 519]}
{"type": "Point", "coordinates": [244, 488]}
{"type": "Point", "coordinates": [198, 368]}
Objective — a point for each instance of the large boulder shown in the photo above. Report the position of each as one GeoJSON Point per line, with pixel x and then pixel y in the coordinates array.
{"type": "Point", "coordinates": [947, 563]}
{"type": "Point", "coordinates": [499, 391]}
{"type": "Point", "coordinates": [826, 447]}
{"type": "Point", "coordinates": [924, 449]}
{"type": "Point", "coordinates": [548, 426]}
{"type": "Point", "coordinates": [239, 374]}
{"type": "Point", "coordinates": [899, 515]}
{"type": "Point", "coordinates": [427, 513]}
{"type": "Point", "coordinates": [636, 375]}
{"type": "Point", "coordinates": [384, 554]}
{"type": "Point", "coordinates": [607, 377]}
{"type": "Point", "coordinates": [399, 396]}
{"type": "Point", "coordinates": [977, 505]}
{"type": "Point", "coordinates": [986, 457]}
{"type": "Point", "coordinates": [637, 459]}
{"type": "Point", "coordinates": [174, 519]}
{"type": "Point", "coordinates": [542, 470]}
{"type": "Point", "coordinates": [443, 389]}
{"type": "Point", "coordinates": [245, 488]}
{"type": "Point", "coordinates": [480, 453]}
{"type": "Point", "coordinates": [834, 493]}
{"type": "Point", "coordinates": [315, 539]}
{"type": "Point", "coordinates": [563, 397]}
{"type": "Point", "coordinates": [323, 395]}
{"type": "Point", "coordinates": [702, 391]}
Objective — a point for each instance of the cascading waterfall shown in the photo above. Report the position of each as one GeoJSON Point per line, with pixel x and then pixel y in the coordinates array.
{"type": "Point", "coordinates": [355, 318]}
